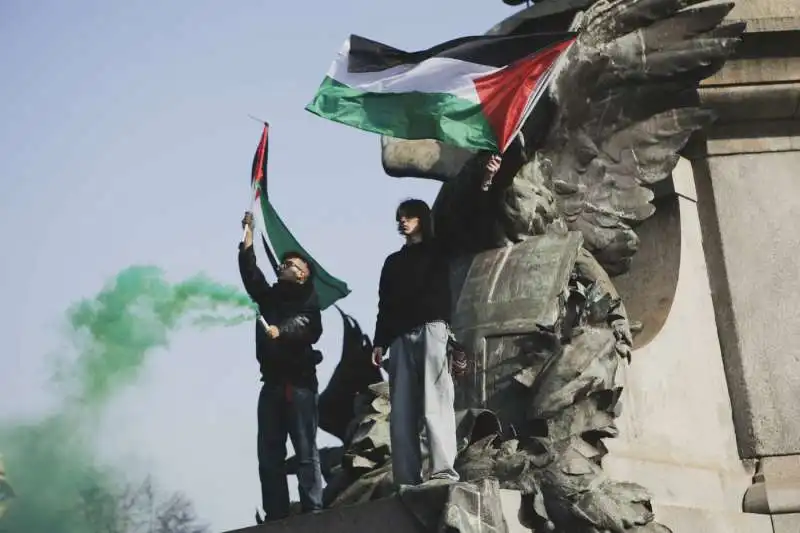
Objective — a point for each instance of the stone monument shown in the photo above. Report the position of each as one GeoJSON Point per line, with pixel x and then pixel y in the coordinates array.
{"type": "Point", "coordinates": [593, 217]}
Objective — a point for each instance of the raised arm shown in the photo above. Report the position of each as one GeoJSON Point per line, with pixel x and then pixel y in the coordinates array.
{"type": "Point", "coordinates": [253, 278]}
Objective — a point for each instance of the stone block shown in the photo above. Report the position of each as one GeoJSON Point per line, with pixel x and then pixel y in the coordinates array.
{"type": "Point", "coordinates": [387, 516]}
{"type": "Point", "coordinates": [657, 422]}
{"type": "Point", "coordinates": [677, 435]}
{"type": "Point", "coordinates": [786, 523]}
{"type": "Point", "coordinates": [681, 485]}
{"type": "Point", "coordinates": [738, 71]}
{"type": "Point", "coordinates": [753, 138]}
{"type": "Point", "coordinates": [754, 201]}
{"type": "Point", "coordinates": [765, 9]}
{"type": "Point", "coordinates": [696, 520]}
{"type": "Point", "coordinates": [735, 104]}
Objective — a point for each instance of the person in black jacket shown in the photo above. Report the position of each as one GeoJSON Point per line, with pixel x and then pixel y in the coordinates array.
{"type": "Point", "coordinates": [287, 405]}
{"type": "Point", "coordinates": [413, 324]}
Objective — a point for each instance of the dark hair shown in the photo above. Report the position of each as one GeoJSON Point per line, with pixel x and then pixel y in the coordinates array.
{"type": "Point", "coordinates": [292, 254]}
{"type": "Point", "coordinates": [414, 207]}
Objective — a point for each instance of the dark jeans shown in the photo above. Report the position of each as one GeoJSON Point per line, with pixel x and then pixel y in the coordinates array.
{"type": "Point", "coordinates": [288, 412]}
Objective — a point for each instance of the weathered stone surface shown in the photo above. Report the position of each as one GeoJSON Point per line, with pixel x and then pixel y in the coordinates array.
{"type": "Point", "coordinates": [754, 138]}
{"type": "Point", "coordinates": [667, 409]}
{"type": "Point", "coordinates": [424, 157]}
{"type": "Point", "coordinates": [441, 508]}
{"type": "Point", "coordinates": [786, 523]}
{"type": "Point", "coordinates": [764, 102]}
{"type": "Point", "coordinates": [766, 9]}
{"type": "Point", "coordinates": [749, 247]}
{"type": "Point", "coordinates": [694, 519]}
{"type": "Point", "coordinates": [752, 200]}
{"type": "Point", "coordinates": [768, 71]}
{"type": "Point", "coordinates": [761, 82]}
{"type": "Point", "coordinates": [388, 515]}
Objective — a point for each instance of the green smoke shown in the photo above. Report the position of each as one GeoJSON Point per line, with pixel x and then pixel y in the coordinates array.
{"type": "Point", "coordinates": [115, 330]}
{"type": "Point", "coordinates": [50, 462]}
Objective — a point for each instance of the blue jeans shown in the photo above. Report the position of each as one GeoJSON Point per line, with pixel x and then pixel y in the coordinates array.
{"type": "Point", "coordinates": [288, 411]}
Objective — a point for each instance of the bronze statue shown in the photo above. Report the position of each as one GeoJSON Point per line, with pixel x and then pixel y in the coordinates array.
{"type": "Point", "coordinates": [534, 256]}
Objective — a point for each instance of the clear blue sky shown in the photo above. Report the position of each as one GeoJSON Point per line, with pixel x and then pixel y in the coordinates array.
{"type": "Point", "coordinates": [124, 139]}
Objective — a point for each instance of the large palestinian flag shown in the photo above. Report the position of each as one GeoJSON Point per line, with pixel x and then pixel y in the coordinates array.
{"type": "Point", "coordinates": [473, 92]}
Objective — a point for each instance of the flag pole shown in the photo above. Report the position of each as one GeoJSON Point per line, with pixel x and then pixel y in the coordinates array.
{"type": "Point", "coordinates": [253, 185]}
{"type": "Point", "coordinates": [253, 199]}
{"type": "Point", "coordinates": [261, 319]}
{"type": "Point", "coordinates": [258, 119]}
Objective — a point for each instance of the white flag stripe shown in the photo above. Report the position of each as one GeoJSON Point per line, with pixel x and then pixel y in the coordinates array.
{"type": "Point", "coordinates": [435, 75]}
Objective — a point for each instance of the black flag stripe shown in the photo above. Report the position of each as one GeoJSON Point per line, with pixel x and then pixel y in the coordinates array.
{"type": "Point", "coordinates": [367, 55]}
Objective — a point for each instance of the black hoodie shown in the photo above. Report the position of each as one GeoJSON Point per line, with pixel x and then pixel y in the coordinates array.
{"type": "Point", "coordinates": [294, 309]}
{"type": "Point", "coordinates": [414, 290]}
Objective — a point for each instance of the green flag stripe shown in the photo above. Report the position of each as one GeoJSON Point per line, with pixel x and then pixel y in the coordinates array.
{"type": "Point", "coordinates": [329, 289]}
{"type": "Point", "coordinates": [413, 115]}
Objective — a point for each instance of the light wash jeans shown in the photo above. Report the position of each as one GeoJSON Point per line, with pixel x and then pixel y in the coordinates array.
{"type": "Point", "coordinates": [422, 395]}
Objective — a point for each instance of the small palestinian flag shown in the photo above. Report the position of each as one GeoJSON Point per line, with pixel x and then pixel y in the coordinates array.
{"type": "Point", "coordinates": [473, 92]}
{"type": "Point", "coordinates": [276, 236]}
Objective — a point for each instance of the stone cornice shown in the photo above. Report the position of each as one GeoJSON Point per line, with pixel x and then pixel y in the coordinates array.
{"type": "Point", "coordinates": [772, 24]}
{"type": "Point", "coordinates": [743, 103]}
{"type": "Point", "coordinates": [762, 83]}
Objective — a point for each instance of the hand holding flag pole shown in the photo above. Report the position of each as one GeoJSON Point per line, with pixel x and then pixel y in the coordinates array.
{"type": "Point", "coordinates": [263, 323]}
{"type": "Point", "coordinates": [246, 225]}
{"type": "Point", "coordinates": [247, 221]}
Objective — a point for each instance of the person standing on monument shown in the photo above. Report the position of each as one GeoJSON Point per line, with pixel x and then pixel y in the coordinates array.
{"type": "Point", "coordinates": [413, 324]}
{"type": "Point", "coordinates": [287, 404]}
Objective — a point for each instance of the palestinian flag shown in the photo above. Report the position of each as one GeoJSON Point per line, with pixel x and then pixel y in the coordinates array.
{"type": "Point", "coordinates": [473, 92]}
{"type": "Point", "coordinates": [277, 238]}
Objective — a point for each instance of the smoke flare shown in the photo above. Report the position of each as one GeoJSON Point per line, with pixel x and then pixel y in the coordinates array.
{"type": "Point", "coordinates": [50, 462]}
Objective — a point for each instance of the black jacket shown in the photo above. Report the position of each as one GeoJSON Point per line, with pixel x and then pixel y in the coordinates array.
{"type": "Point", "coordinates": [414, 289]}
{"type": "Point", "coordinates": [294, 309]}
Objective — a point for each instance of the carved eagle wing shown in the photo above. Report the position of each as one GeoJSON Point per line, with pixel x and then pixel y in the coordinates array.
{"type": "Point", "coordinates": [626, 104]}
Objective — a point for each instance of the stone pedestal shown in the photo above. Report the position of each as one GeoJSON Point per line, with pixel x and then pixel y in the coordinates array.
{"type": "Point", "coordinates": [676, 430]}
{"type": "Point", "coordinates": [408, 514]}
{"type": "Point", "coordinates": [385, 516]}
{"type": "Point", "coordinates": [749, 198]}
